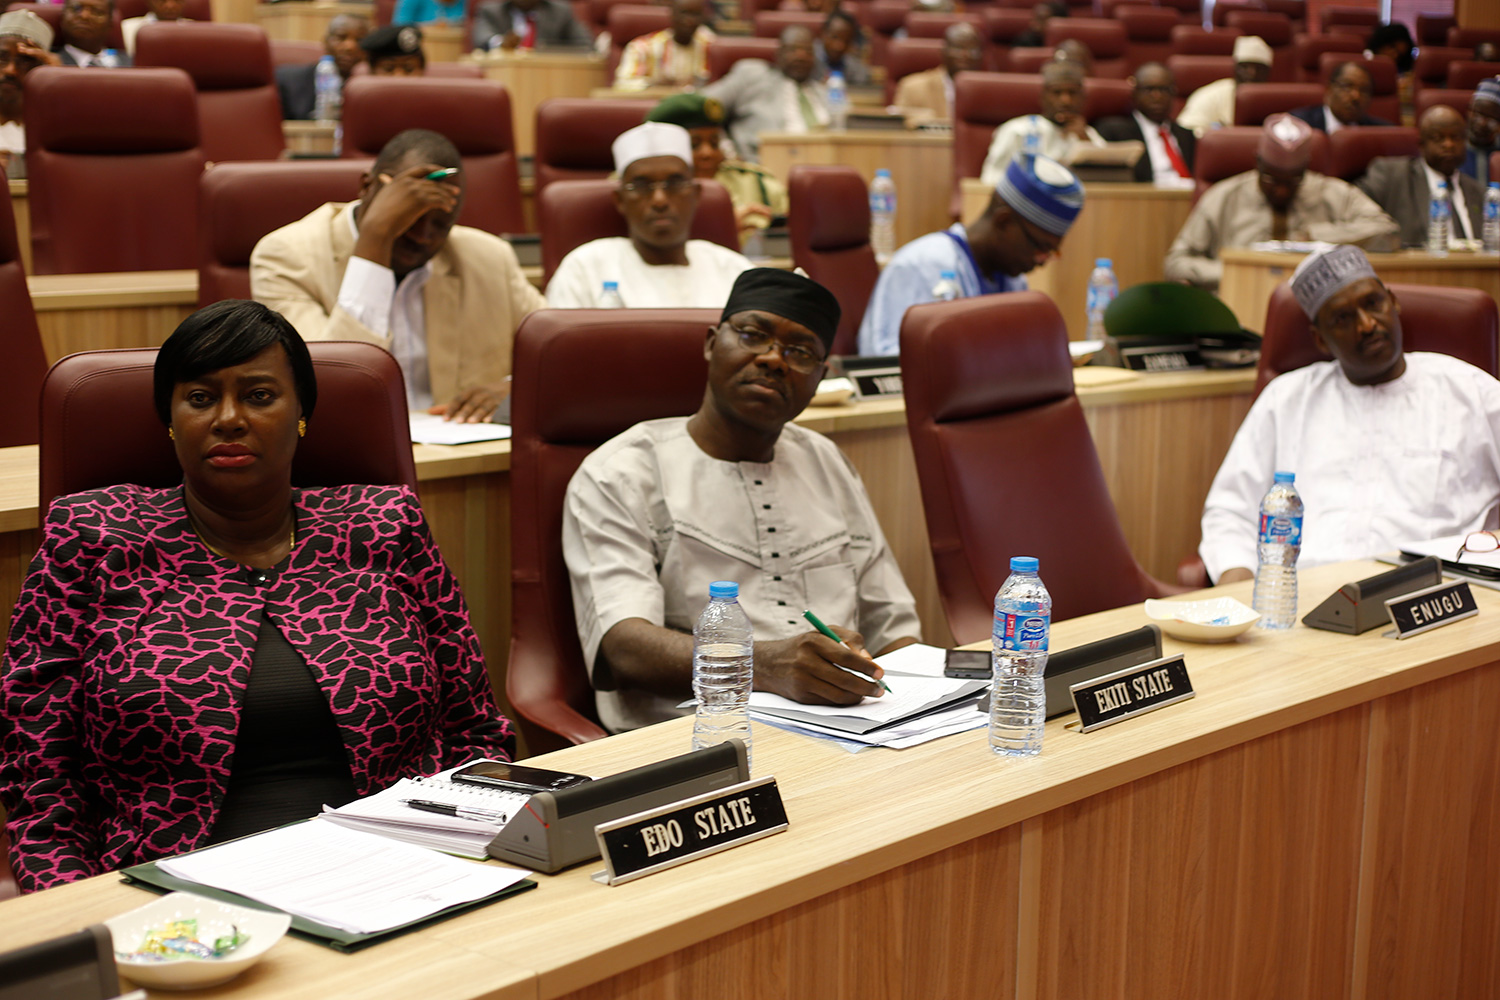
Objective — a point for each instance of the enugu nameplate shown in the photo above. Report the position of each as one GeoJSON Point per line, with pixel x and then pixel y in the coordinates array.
{"type": "Point", "coordinates": [1426, 609]}
{"type": "Point", "coordinates": [1124, 694]}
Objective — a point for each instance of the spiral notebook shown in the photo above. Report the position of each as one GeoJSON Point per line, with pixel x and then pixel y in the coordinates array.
{"type": "Point", "coordinates": [385, 814]}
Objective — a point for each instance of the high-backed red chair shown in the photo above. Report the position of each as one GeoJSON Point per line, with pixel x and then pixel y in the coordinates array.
{"type": "Point", "coordinates": [1255, 102]}
{"type": "Point", "coordinates": [1432, 29]}
{"type": "Point", "coordinates": [1385, 98]}
{"type": "Point", "coordinates": [881, 19]}
{"type": "Point", "coordinates": [1001, 26]}
{"type": "Point", "coordinates": [475, 116]}
{"type": "Point", "coordinates": [1029, 60]}
{"type": "Point", "coordinates": [655, 360]}
{"type": "Point", "coordinates": [1223, 8]}
{"type": "Point", "coordinates": [1431, 65]}
{"type": "Point", "coordinates": [1295, 11]}
{"type": "Point", "coordinates": [239, 110]}
{"type": "Point", "coordinates": [1431, 97]}
{"type": "Point", "coordinates": [1350, 150]}
{"type": "Point", "coordinates": [242, 202]}
{"type": "Point", "coordinates": [989, 389]}
{"type": "Point", "coordinates": [1105, 39]}
{"type": "Point", "coordinates": [1465, 74]}
{"type": "Point", "coordinates": [771, 23]}
{"type": "Point", "coordinates": [1195, 40]}
{"type": "Point", "coordinates": [1191, 11]}
{"type": "Point", "coordinates": [1224, 152]}
{"type": "Point", "coordinates": [1276, 31]}
{"type": "Point", "coordinates": [629, 21]}
{"type": "Point", "coordinates": [727, 50]}
{"type": "Point", "coordinates": [1467, 38]}
{"type": "Point", "coordinates": [571, 213]}
{"type": "Point", "coordinates": [829, 226]}
{"type": "Point", "coordinates": [1462, 322]}
{"type": "Point", "coordinates": [25, 361]}
{"type": "Point", "coordinates": [99, 426]}
{"type": "Point", "coordinates": [1310, 49]}
{"type": "Point", "coordinates": [905, 56]}
{"type": "Point", "coordinates": [113, 161]}
{"type": "Point", "coordinates": [195, 10]}
{"type": "Point", "coordinates": [1193, 72]}
{"type": "Point", "coordinates": [1367, 18]}
{"type": "Point", "coordinates": [929, 24]}
{"type": "Point", "coordinates": [573, 136]}
{"type": "Point", "coordinates": [294, 52]}
{"type": "Point", "coordinates": [1148, 34]}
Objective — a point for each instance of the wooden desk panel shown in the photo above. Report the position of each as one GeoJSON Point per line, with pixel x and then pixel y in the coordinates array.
{"type": "Point", "coordinates": [442, 42]}
{"type": "Point", "coordinates": [20, 207]}
{"type": "Point", "coordinates": [532, 77]}
{"type": "Point", "coordinates": [918, 162]}
{"type": "Point", "coordinates": [1251, 276]}
{"type": "Point", "coordinates": [306, 20]}
{"type": "Point", "coordinates": [91, 312]}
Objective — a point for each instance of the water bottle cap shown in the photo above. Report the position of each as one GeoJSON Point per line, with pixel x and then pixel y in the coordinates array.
{"type": "Point", "coordinates": [611, 286]}
{"type": "Point", "coordinates": [1024, 564]}
{"type": "Point", "coordinates": [882, 172]}
{"type": "Point", "coordinates": [950, 276]}
{"type": "Point", "coordinates": [1286, 477]}
{"type": "Point", "coordinates": [1495, 184]}
{"type": "Point", "coordinates": [1103, 262]}
{"type": "Point", "coordinates": [723, 588]}
{"type": "Point", "coordinates": [835, 75]}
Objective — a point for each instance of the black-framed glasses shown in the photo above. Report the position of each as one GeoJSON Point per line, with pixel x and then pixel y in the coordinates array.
{"type": "Point", "coordinates": [1479, 543]}
{"type": "Point", "coordinates": [797, 358]}
{"type": "Point", "coordinates": [642, 188]}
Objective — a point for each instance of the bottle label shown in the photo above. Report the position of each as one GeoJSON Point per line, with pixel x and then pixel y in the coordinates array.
{"type": "Point", "coordinates": [1023, 632]}
{"type": "Point", "coordinates": [1280, 530]}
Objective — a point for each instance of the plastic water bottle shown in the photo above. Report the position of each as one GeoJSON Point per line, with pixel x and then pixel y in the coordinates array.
{"type": "Point", "coordinates": [1103, 287]}
{"type": "Point", "coordinates": [609, 296]}
{"type": "Point", "coordinates": [838, 102]}
{"type": "Point", "coordinates": [1018, 694]}
{"type": "Point", "coordinates": [1437, 221]}
{"type": "Point", "coordinates": [1492, 218]}
{"type": "Point", "coordinates": [328, 87]}
{"type": "Point", "coordinates": [1280, 544]}
{"type": "Point", "coordinates": [723, 668]}
{"type": "Point", "coordinates": [883, 215]}
{"type": "Point", "coordinates": [946, 289]}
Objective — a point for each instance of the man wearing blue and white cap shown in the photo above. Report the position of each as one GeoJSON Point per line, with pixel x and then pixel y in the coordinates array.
{"type": "Point", "coordinates": [656, 266]}
{"type": "Point", "coordinates": [1035, 201]}
{"type": "Point", "coordinates": [1484, 131]}
{"type": "Point", "coordinates": [1389, 448]}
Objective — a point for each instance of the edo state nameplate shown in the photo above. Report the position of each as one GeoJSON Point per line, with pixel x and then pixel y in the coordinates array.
{"type": "Point", "coordinates": [1124, 694]}
{"type": "Point", "coordinates": [1426, 609]}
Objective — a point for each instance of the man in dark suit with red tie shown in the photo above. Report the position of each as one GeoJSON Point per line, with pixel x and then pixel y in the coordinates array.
{"type": "Point", "coordinates": [1169, 146]}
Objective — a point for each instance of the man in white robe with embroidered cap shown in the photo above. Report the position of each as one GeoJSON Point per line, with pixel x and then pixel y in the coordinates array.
{"type": "Point", "coordinates": [1389, 448]}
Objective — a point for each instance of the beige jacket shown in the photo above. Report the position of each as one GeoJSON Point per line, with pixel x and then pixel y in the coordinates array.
{"type": "Point", "coordinates": [474, 300]}
{"type": "Point", "coordinates": [924, 92]}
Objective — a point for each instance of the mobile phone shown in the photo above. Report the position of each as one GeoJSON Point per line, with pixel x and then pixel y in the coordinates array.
{"type": "Point", "coordinates": [516, 777]}
{"type": "Point", "coordinates": [968, 664]}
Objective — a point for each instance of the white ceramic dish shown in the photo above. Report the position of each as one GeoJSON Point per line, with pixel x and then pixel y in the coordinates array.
{"type": "Point", "coordinates": [215, 919]}
{"type": "Point", "coordinates": [1217, 620]}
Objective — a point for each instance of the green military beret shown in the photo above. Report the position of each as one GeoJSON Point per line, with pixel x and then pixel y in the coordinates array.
{"type": "Point", "coordinates": [689, 111]}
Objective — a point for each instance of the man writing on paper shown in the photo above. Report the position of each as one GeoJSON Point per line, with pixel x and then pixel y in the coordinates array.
{"type": "Point", "coordinates": [1388, 448]}
{"type": "Point", "coordinates": [734, 492]}
{"type": "Point", "coordinates": [392, 269]}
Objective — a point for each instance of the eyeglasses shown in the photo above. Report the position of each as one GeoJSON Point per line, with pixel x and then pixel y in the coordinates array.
{"type": "Point", "coordinates": [1478, 542]}
{"type": "Point", "coordinates": [1347, 319]}
{"type": "Point", "coordinates": [642, 188]}
{"type": "Point", "coordinates": [757, 342]}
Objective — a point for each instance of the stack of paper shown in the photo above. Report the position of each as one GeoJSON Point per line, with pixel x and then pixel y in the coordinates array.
{"type": "Point", "coordinates": [386, 813]}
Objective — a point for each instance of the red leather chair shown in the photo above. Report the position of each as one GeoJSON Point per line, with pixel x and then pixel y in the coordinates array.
{"type": "Point", "coordinates": [289, 52]}
{"type": "Point", "coordinates": [1310, 49]}
{"type": "Point", "coordinates": [1224, 152]}
{"type": "Point", "coordinates": [989, 389]}
{"type": "Point", "coordinates": [475, 115]}
{"type": "Point", "coordinates": [1466, 74]}
{"type": "Point", "coordinates": [1495, 165]}
{"type": "Point", "coordinates": [1255, 102]}
{"type": "Point", "coordinates": [629, 21]}
{"type": "Point", "coordinates": [1350, 150]}
{"type": "Point", "coordinates": [771, 23]}
{"type": "Point", "coordinates": [1362, 17]}
{"type": "Point", "coordinates": [1148, 33]}
{"type": "Point", "coordinates": [1432, 29]}
{"type": "Point", "coordinates": [1431, 65]}
{"type": "Point", "coordinates": [1431, 97]}
{"type": "Point", "coordinates": [239, 111]}
{"type": "Point", "coordinates": [1385, 98]}
{"type": "Point", "coordinates": [1194, 40]}
{"type": "Point", "coordinates": [1191, 11]}
{"type": "Point", "coordinates": [571, 213]}
{"type": "Point", "coordinates": [925, 24]}
{"type": "Point", "coordinates": [1105, 39]}
{"type": "Point", "coordinates": [99, 426]}
{"type": "Point", "coordinates": [829, 226]}
{"type": "Point", "coordinates": [194, 10]}
{"type": "Point", "coordinates": [595, 12]}
{"type": "Point", "coordinates": [1468, 38]}
{"type": "Point", "coordinates": [1193, 72]}
{"type": "Point", "coordinates": [1001, 26]}
{"type": "Point", "coordinates": [1462, 322]}
{"type": "Point", "coordinates": [573, 136]}
{"type": "Point", "coordinates": [1295, 11]}
{"type": "Point", "coordinates": [52, 14]}
{"type": "Point", "coordinates": [242, 202]}
{"type": "Point", "coordinates": [906, 56]}
{"type": "Point", "coordinates": [727, 50]}
{"type": "Point", "coordinates": [655, 358]}
{"type": "Point", "coordinates": [25, 361]}
{"type": "Point", "coordinates": [1223, 8]}
{"type": "Point", "coordinates": [1028, 60]}
{"type": "Point", "coordinates": [113, 161]}
{"type": "Point", "coordinates": [8, 887]}
{"type": "Point", "coordinates": [1276, 31]}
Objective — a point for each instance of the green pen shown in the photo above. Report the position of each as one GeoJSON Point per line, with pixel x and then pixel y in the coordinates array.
{"type": "Point", "coordinates": [441, 175]}
{"type": "Point", "coordinates": [817, 623]}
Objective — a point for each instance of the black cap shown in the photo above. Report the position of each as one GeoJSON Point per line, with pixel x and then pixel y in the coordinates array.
{"type": "Point", "coordinates": [392, 40]}
{"type": "Point", "coordinates": [788, 295]}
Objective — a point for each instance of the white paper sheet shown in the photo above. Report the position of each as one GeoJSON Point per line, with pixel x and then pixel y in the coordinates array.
{"type": "Point", "coordinates": [907, 695]}
{"type": "Point", "coordinates": [918, 658]}
{"type": "Point", "coordinates": [343, 878]}
{"type": "Point", "coordinates": [428, 429]}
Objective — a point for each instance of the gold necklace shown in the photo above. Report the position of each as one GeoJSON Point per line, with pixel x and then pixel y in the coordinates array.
{"type": "Point", "coordinates": [291, 540]}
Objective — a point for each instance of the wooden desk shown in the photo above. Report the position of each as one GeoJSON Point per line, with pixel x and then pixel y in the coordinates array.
{"type": "Point", "coordinates": [532, 77]}
{"type": "Point", "coordinates": [92, 312]}
{"type": "Point", "coordinates": [1251, 276]}
{"type": "Point", "coordinates": [1132, 224]}
{"type": "Point", "coordinates": [233, 11]}
{"type": "Point", "coordinates": [919, 163]}
{"type": "Point", "coordinates": [308, 137]}
{"type": "Point", "coordinates": [306, 20]}
{"type": "Point", "coordinates": [443, 42]}
{"type": "Point", "coordinates": [863, 98]}
{"type": "Point", "coordinates": [1318, 822]}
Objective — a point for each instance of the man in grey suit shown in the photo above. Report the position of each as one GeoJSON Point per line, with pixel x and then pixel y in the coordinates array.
{"type": "Point", "coordinates": [1404, 185]}
{"type": "Point", "coordinates": [528, 24]}
{"type": "Point", "coordinates": [759, 97]}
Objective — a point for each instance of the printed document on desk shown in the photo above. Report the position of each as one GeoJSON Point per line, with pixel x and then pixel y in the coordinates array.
{"type": "Point", "coordinates": [909, 698]}
{"type": "Point", "coordinates": [429, 429]}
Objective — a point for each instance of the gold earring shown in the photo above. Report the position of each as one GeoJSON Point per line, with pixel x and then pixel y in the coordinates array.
{"type": "Point", "coordinates": [302, 427]}
{"type": "Point", "coordinates": [171, 434]}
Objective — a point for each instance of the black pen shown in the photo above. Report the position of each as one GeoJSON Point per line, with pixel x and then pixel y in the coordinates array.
{"type": "Point", "coordinates": [462, 812]}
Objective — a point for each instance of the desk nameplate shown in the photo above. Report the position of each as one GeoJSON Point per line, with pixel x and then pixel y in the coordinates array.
{"type": "Point", "coordinates": [1134, 691]}
{"type": "Point", "coordinates": [678, 832]}
{"type": "Point", "coordinates": [1430, 608]}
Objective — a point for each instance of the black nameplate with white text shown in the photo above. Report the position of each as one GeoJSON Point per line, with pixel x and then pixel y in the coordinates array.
{"type": "Point", "coordinates": [1431, 607]}
{"type": "Point", "coordinates": [878, 384]}
{"type": "Point", "coordinates": [1124, 694]}
{"type": "Point", "coordinates": [693, 828]}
